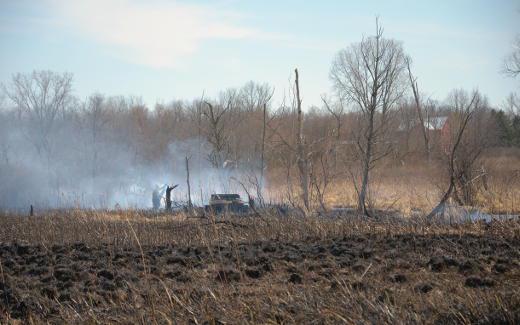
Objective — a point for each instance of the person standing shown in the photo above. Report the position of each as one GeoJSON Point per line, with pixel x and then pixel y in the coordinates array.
{"type": "Point", "coordinates": [156, 196]}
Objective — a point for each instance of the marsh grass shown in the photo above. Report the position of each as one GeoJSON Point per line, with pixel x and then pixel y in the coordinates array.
{"type": "Point", "coordinates": [270, 270]}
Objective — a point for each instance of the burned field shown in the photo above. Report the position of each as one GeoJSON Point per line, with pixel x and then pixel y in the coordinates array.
{"type": "Point", "coordinates": [268, 270]}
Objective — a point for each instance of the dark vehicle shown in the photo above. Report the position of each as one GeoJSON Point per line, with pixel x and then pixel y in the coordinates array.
{"type": "Point", "coordinates": [226, 203]}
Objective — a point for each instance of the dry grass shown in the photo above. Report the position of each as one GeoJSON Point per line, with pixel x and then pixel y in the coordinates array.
{"type": "Point", "coordinates": [413, 188]}
{"type": "Point", "coordinates": [125, 267]}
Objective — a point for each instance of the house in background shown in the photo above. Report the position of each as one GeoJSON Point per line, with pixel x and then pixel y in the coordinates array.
{"type": "Point", "coordinates": [439, 129]}
{"type": "Point", "coordinates": [412, 138]}
{"type": "Point", "coordinates": [436, 123]}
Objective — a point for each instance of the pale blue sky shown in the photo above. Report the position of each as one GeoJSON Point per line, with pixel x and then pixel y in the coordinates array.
{"type": "Point", "coordinates": [163, 50]}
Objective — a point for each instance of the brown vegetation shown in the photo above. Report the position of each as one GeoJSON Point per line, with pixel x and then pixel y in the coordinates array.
{"type": "Point", "coordinates": [81, 266]}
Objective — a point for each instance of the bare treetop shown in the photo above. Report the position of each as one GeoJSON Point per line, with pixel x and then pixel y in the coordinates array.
{"type": "Point", "coordinates": [370, 73]}
{"type": "Point", "coordinates": [41, 95]}
{"type": "Point", "coordinates": [254, 95]}
{"type": "Point", "coordinates": [512, 61]}
{"type": "Point", "coordinates": [41, 92]}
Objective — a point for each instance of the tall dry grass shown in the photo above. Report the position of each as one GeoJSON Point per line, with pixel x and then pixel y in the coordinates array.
{"type": "Point", "coordinates": [414, 188]}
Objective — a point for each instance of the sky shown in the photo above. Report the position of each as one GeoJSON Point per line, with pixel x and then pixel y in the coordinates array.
{"type": "Point", "coordinates": [165, 50]}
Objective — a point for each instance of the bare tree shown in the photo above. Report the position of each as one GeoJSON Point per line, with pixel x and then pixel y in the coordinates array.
{"type": "Point", "coordinates": [96, 118]}
{"type": "Point", "coordinates": [337, 111]}
{"type": "Point", "coordinates": [512, 61]}
{"type": "Point", "coordinates": [41, 96]}
{"type": "Point", "coordinates": [255, 97]}
{"type": "Point", "coordinates": [463, 108]}
{"type": "Point", "coordinates": [216, 133]}
{"type": "Point", "coordinates": [370, 74]}
{"type": "Point", "coordinates": [322, 170]}
{"type": "Point", "coordinates": [470, 176]}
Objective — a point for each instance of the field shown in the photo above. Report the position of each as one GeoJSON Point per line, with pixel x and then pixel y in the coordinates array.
{"type": "Point", "coordinates": [125, 267]}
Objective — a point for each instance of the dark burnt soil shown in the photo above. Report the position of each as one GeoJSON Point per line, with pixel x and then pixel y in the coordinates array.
{"type": "Point", "coordinates": [429, 276]}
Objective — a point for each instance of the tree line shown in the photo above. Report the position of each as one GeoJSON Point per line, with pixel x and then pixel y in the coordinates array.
{"type": "Point", "coordinates": [377, 114]}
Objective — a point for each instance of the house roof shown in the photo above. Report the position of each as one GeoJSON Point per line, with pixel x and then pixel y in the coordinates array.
{"type": "Point", "coordinates": [435, 123]}
{"type": "Point", "coordinates": [431, 124]}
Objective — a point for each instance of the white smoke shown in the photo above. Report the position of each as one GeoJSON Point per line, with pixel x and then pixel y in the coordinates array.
{"type": "Point", "coordinates": [66, 180]}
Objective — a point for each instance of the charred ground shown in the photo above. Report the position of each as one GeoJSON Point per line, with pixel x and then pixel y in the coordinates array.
{"type": "Point", "coordinates": [259, 271]}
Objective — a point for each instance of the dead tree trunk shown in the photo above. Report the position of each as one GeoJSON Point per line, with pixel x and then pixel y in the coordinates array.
{"type": "Point", "coordinates": [302, 161]}
{"type": "Point", "coordinates": [362, 207]}
{"type": "Point", "coordinates": [169, 190]}
{"type": "Point", "coordinates": [168, 198]}
{"type": "Point", "coordinates": [418, 107]}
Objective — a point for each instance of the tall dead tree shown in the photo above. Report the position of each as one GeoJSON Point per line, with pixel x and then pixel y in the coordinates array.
{"type": "Point", "coordinates": [302, 161]}
{"type": "Point", "coordinates": [371, 75]}
{"type": "Point", "coordinates": [419, 109]}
